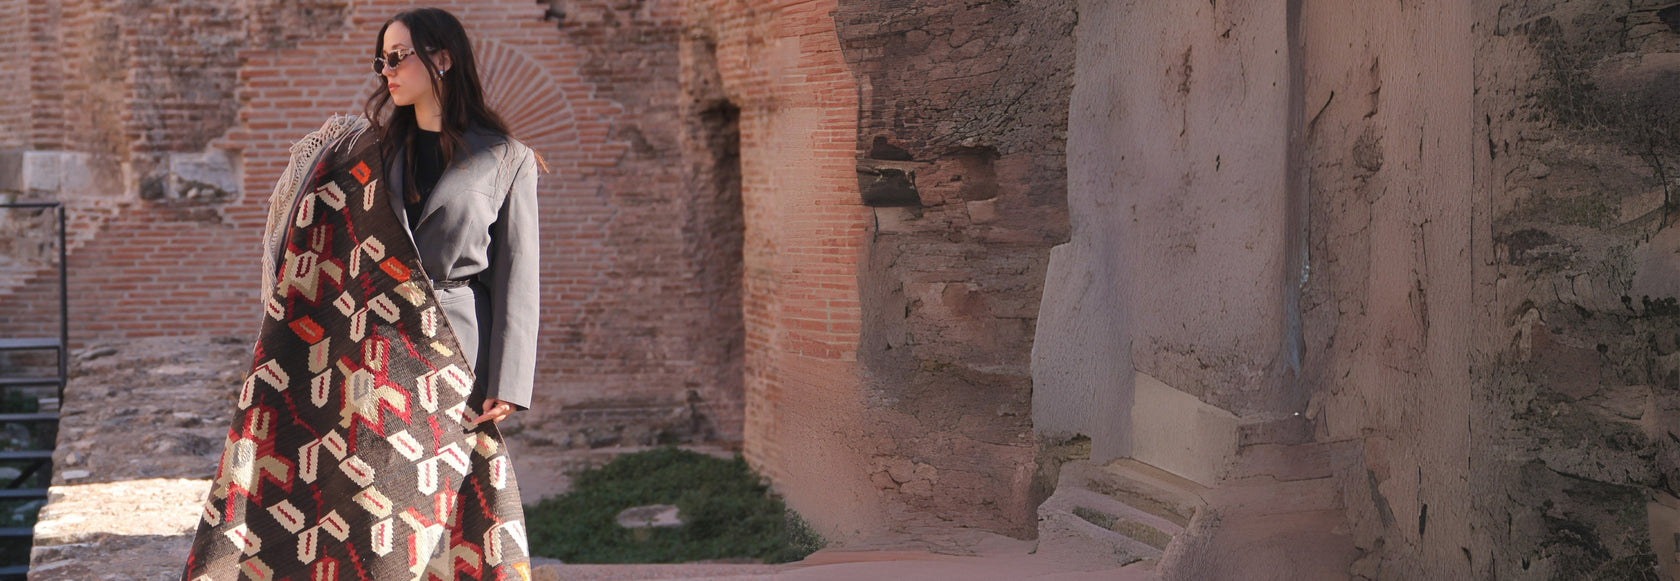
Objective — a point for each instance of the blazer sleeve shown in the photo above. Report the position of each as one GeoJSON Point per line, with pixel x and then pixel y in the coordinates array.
{"type": "Point", "coordinates": [510, 365]}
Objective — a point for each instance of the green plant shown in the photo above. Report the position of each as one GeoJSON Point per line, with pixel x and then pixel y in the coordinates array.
{"type": "Point", "coordinates": [23, 436]}
{"type": "Point", "coordinates": [802, 540]}
{"type": "Point", "coordinates": [726, 509]}
{"type": "Point", "coordinates": [20, 403]}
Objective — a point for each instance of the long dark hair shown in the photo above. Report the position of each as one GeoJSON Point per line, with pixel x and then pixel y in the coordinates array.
{"type": "Point", "coordinates": [459, 93]}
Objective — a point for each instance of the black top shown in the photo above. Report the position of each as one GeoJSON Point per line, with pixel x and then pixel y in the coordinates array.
{"type": "Point", "coordinates": [424, 170]}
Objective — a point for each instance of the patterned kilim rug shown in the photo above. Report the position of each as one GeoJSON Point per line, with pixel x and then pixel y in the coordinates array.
{"type": "Point", "coordinates": [350, 456]}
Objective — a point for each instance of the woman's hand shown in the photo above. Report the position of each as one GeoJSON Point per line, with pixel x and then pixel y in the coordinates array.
{"type": "Point", "coordinates": [495, 410]}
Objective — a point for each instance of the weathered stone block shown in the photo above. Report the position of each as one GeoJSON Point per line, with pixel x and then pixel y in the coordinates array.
{"type": "Point", "coordinates": [1081, 360]}
{"type": "Point", "coordinates": [1178, 433]}
{"type": "Point", "coordinates": [208, 176]}
{"type": "Point", "coordinates": [50, 172]}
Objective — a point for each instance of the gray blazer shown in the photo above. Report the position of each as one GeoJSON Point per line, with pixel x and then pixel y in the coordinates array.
{"type": "Point", "coordinates": [480, 223]}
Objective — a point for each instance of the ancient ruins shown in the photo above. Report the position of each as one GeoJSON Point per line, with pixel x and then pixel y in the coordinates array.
{"type": "Point", "coordinates": [1215, 290]}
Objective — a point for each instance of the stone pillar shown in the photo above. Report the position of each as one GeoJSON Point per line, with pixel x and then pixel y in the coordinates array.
{"type": "Point", "coordinates": [1174, 279]}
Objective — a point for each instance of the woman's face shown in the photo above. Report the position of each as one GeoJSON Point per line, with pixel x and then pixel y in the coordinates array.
{"type": "Point", "coordinates": [408, 82]}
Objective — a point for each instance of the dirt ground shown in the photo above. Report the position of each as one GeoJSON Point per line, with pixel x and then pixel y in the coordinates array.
{"type": "Point", "coordinates": [142, 432]}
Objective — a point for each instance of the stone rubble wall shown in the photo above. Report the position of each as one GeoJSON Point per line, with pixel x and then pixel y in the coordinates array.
{"type": "Point", "coordinates": [143, 427]}
{"type": "Point", "coordinates": [970, 104]}
{"type": "Point", "coordinates": [1573, 452]}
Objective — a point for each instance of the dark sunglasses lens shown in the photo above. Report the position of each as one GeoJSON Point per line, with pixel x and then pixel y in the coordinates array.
{"type": "Point", "coordinates": [391, 60]}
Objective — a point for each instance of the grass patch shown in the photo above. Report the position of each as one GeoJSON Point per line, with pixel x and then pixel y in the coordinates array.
{"type": "Point", "coordinates": [727, 513]}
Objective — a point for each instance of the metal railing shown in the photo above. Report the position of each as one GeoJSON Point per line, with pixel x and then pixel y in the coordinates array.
{"type": "Point", "coordinates": [63, 280]}
{"type": "Point", "coordinates": [36, 463]}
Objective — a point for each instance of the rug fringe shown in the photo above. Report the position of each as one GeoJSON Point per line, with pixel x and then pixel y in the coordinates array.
{"type": "Point", "coordinates": [336, 130]}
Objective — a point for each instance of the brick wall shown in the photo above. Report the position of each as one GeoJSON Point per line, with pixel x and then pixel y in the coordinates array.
{"type": "Point", "coordinates": [45, 121]}
{"type": "Point", "coordinates": [627, 354]}
{"type": "Point", "coordinates": [780, 64]}
{"type": "Point", "coordinates": [92, 80]}
{"type": "Point", "coordinates": [653, 316]}
{"type": "Point", "coordinates": [14, 95]}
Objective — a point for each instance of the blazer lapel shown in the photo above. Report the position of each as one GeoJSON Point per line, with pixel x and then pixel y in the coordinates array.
{"type": "Point", "coordinates": [475, 140]}
{"type": "Point", "coordinates": [435, 199]}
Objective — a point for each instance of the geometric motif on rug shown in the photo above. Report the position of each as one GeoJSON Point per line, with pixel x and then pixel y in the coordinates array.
{"type": "Point", "coordinates": [350, 455]}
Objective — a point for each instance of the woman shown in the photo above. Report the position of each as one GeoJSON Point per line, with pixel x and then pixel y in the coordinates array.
{"type": "Point", "coordinates": [400, 309]}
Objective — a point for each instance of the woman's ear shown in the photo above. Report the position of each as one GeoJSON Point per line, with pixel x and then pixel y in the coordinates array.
{"type": "Point", "coordinates": [441, 60]}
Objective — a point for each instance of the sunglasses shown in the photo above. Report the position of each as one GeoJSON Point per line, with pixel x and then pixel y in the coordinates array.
{"type": "Point", "coordinates": [390, 60]}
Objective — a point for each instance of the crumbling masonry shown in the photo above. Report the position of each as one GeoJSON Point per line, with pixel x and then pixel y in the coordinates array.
{"type": "Point", "coordinates": [1397, 279]}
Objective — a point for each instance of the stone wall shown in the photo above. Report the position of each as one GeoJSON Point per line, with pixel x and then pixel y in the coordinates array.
{"type": "Point", "coordinates": [1434, 240]}
{"type": "Point", "coordinates": [1169, 313]}
{"type": "Point", "coordinates": [1576, 284]}
{"type": "Point", "coordinates": [1391, 314]}
{"type": "Point", "coordinates": [886, 350]}
{"type": "Point", "coordinates": [1490, 284]}
{"type": "Point", "coordinates": [964, 117]}
{"type": "Point", "coordinates": [657, 295]}
{"type": "Point", "coordinates": [1445, 242]}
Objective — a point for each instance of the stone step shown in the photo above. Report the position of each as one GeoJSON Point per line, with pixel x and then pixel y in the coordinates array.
{"type": "Point", "coordinates": [1125, 511]}
{"type": "Point", "coordinates": [1286, 430]}
{"type": "Point", "coordinates": [1144, 487]}
{"type": "Point", "coordinates": [29, 343]}
{"type": "Point", "coordinates": [1234, 543]}
{"type": "Point", "coordinates": [1285, 462]}
{"type": "Point", "coordinates": [8, 382]}
{"type": "Point", "coordinates": [1264, 496]}
{"type": "Point", "coordinates": [1077, 524]}
{"type": "Point", "coordinates": [1278, 514]}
